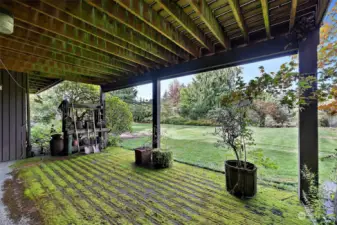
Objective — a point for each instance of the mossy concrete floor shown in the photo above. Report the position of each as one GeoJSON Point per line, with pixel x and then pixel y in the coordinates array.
{"type": "Point", "coordinates": [107, 188]}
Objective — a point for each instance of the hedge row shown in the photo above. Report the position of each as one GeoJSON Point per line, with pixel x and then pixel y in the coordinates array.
{"type": "Point", "coordinates": [183, 121]}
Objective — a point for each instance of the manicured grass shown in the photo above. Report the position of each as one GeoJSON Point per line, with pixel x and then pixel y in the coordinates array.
{"type": "Point", "coordinates": [107, 188]}
{"type": "Point", "coordinates": [196, 145]}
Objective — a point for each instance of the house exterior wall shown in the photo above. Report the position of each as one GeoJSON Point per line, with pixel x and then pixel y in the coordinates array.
{"type": "Point", "coordinates": [13, 116]}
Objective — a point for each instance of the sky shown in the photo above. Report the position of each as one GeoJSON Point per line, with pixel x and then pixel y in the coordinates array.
{"type": "Point", "coordinates": [250, 71]}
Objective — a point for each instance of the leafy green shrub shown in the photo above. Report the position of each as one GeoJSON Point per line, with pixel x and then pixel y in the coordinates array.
{"type": "Point", "coordinates": [113, 140]}
{"type": "Point", "coordinates": [183, 121]}
{"type": "Point", "coordinates": [174, 120]}
{"type": "Point", "coordinates": [324, 122]}
{"type": "Point", "coordinates": [162, 159]}
{"type": "Point", "coordinates": [118, 115]}
{"type": "Point", "coordinates": [200, 123]}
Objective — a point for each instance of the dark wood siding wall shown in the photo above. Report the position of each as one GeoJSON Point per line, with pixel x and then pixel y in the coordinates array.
{"type": "Point", "coordinates": [12, 116]}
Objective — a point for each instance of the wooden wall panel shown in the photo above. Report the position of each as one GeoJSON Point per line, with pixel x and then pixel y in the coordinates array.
{"type": "Point", "coordinates": [1, 121]}
{"type": "Point", "coordinates": [5, 117]}
{"type": "Point", "coordinates": [12, 116]}
{"type": "Point", "coordinates": [18, 118]}
{"type": "Point", "coordinates": [25, 96]}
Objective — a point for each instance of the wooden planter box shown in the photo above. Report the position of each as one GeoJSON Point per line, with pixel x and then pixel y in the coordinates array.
{"type": "Point", "coordinates": [143, 155]}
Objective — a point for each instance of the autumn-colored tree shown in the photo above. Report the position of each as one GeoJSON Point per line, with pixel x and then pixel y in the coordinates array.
{"type": "Point", "coordinates": [173, 93]}
{"type": "Point", "coordinates": [263, 109]}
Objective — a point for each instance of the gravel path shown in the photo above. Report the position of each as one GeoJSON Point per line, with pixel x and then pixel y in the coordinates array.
{"type": "Point", "coordinates": [4, 218]}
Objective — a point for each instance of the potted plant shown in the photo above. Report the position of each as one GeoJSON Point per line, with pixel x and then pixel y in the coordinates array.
{"type": "Point", "coordinates": [232, 119]}
{"type": "Point", "coordinates": [241, 175]}
{"type": "Point", "coordinates": [162, 158]}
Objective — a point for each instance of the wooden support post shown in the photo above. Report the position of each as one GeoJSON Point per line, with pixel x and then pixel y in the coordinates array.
{"type": "Point", "coordinates": [308, 121]}
{"type": "Point", "coordinates": [102, 117]}
{"type": "Point", "coordinates": [156, 113]}
{"type": "Point", "coordinates": [29, 144]}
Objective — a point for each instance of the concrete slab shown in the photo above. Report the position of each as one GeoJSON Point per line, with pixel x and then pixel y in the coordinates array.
{"type": "Point", "coordinates": [4, 217]}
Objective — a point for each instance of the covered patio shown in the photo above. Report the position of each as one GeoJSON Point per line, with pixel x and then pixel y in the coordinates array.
{"type": "Point", "coordinates": [109, 189]}
{"type": "Point", "coordinates": [124, 43]}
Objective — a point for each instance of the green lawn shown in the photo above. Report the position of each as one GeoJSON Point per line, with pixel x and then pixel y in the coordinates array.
{"type": "Point", "coordinates": [196, 145]}
{"type": "Point", "coordinates": [107, 188]}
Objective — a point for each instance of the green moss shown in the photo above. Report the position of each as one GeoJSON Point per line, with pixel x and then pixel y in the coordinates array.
{"type": "Point", "coordinates": [108, 188]}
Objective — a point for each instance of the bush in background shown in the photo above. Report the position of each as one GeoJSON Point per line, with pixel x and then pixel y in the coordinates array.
{"type": "Point", "coordinates": [118, 115]}
{"type": "Point", "coordinates": [183, 121]}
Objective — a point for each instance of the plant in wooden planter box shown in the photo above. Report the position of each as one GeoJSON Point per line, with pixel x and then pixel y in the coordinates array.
{"type": "Point", "coordinates": [162, 158]}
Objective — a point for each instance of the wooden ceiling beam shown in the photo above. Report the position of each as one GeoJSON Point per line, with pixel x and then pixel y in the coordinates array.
{"type": "Point", "coordinates": [235, 7]}
{"type": "Point", "coordinates": [74, 54]}
{"type": "Point", "coordinates": [33, 17]}
{"type": "Point", "coordinates": [293, 14]}
{"type": "Point", "coordinates": [202, 9]}
{"type": "Point", "coordinates": [47, 66]}
{"type": "Point", "coordinates": [176, 12]}
{"type": "Point", "coordinates": [265, 12]}
{"type": "Point", "coordinates": [15, 66]}
{"type": "Point", "coordinates": [322, 7]}
{"type": "Point", "coordinates": [43, 79]}
{"type": "Point", "coordinates": [144, 20]}
{"type": "Point", "coordinates": [25, 48]}
{"type": "Point", "coordinates": [117, 32]}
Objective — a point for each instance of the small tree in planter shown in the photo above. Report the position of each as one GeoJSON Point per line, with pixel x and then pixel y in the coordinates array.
{"type": "Point", "coordinates": [232, 117]}
{"type": "Point", "coordinates": [241, 177]}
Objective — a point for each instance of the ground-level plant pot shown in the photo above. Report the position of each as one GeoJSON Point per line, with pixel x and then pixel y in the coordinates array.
{"type": "Point", "coordinates": [143, 155]}
{"type": "Point", "coordinates": [162, 159]}
{"type": "Point", "coordinates": [241, 182]}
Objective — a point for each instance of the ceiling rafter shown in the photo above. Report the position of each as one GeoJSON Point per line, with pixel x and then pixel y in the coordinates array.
{"type": "Point", "coordinates": [36, 58]}
{"type": "Point", "coordinates": [141, 11]}
{"type": "Point", "coordinates": [176, 12]}
{"type": "Point", "coordinates": [125, 37]}
{"type": "Point", "coordinates": [265, 12]}
{"type": "Point", "coordinates": [74, 53]}
{"type": "Point", "coordinates": [20, 46]}
{"type": "Point", "coordinates": [236, 10]}
{"type": "Point", "coordinates": [87, 52]}
{"type": "Point", "coordinates": [322, 5]}
{"type": "Point", "coordinates": [21, 67]}
{"type": "Point", "coordinates": [33, 17]}
{"type": "Point", "coordinates": [293, 14]}
{"type": "Point", "coordinates": [202, 9]}
{"type": "Point", "coordinates": [45, 65]}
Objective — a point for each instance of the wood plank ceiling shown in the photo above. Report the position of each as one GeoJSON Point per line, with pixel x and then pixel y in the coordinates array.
{"type": "Point", "coordinates": [102, 41]}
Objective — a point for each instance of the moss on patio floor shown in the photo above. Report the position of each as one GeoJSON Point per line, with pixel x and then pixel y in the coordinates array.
{"type": "Point", "coordinates": [107, 188]}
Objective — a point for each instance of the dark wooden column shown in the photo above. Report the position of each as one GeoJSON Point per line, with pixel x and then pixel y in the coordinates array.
{"type": "Point", "coordinates": [308, 121]}
{"type": "Point", "coordinates": [102, 103]}
{"type": "Point", "coordinates": [103, 135]}
{"type": "Point", "coordinates": [156, 114]}
{"type": "Point", "coordinates": [29, 144]}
